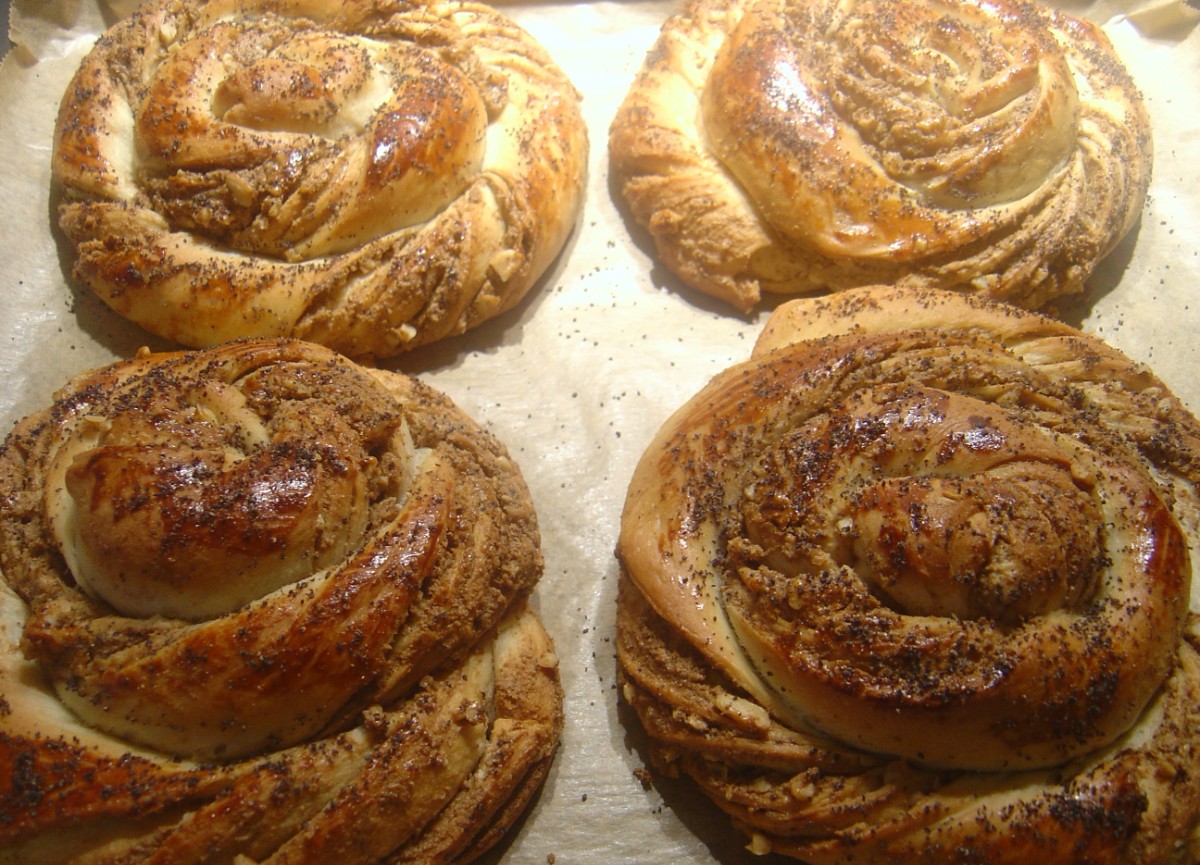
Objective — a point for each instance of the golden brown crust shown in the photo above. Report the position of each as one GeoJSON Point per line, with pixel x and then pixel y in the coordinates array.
{"type": "Point", "coordinates": [383, 694]}
{"type": "Point", "coordinates": [922, 585]}
{"type": "Point", "coordinates": [371, 175]}
{"type": "Point", "coordinates": [997, 148]}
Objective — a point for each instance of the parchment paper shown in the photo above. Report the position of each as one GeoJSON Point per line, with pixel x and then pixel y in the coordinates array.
{"type": "Point", "coordinates": [577, 380]}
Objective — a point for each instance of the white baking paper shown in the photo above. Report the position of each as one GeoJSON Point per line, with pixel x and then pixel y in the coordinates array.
{"type": "Point", "coordinates": [579, 377]}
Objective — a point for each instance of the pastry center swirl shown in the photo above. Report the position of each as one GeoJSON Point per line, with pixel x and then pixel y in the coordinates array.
{"type": "Point", "coordinates": [221, 496]}
{"type": "Point", "coordinates": [934, 555]}
{"type": "Point", "coordinates": [284, 138]}
{"type": "Point", "coordinates": [302, 84]}
{"type": "Point", "coordinates": [967, 112]}
{"type": "Point", "coordinates": [869, 128]}
{"type": "Point", "coordinates": [939, 513]}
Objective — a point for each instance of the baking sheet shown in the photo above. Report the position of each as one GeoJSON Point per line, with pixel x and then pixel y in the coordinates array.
{"type": "Point", "coordinates": [579, 377]}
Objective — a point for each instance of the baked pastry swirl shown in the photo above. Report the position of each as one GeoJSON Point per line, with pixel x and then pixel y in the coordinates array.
{"type": "Point", "coordinates": [258, 603]}
{"type": "Point", "coordinates": [997, 148]}
{"type": "Point", "coordinates": [371, 175]}
{"type": "Point", "coordinates": [919, 591]}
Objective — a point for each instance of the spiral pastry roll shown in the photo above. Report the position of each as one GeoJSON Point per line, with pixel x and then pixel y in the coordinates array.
{"type": "Point", "coordinates": [260, 604]}
{"type": "Point", "coordinates": [997, 148]}
{"type": "Point", "coordinates": [919, 591]}
{"type": "Point", "coordinates": [371, 175]}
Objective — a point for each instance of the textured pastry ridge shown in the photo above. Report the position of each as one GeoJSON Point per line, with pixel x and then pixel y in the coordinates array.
{"type": "Point", "coordinates": [807, 145]}
{"type": "Point", "coordinates": [259, 601]}
{"type": "Point", "coordinates": [371, 175]}
{"type": "Point", "coordinates": [914, 584]}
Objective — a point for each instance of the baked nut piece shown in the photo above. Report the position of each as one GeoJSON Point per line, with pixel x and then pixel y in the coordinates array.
{"type": "Point", "coordinates": [920, 591]}
{"type": "Point", "coordinates": [371, 175]}
{"type": "Point", "coordinates": [260, 604]}
{"type": "Point", "coordinates": [997, 148]}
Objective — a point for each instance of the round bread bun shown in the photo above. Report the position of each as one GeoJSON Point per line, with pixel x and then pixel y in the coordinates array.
{"type": "Point", "coordinates": [370, 175]}
{"type": "Point", "coordinates": [997, 148]}
{"type": "Point", "coordinates": [920, 590]}
{"type": "Point", "coordinates": [261, 604]}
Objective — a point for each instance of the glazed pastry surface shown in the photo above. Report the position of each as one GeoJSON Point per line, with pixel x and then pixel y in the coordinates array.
{"type": "Point", "coordinates": [807, 145]}
{"type": "Point", "coordinates": [917, 578]}
{"type": "Point", "coordinates": [259, 601]}
{"type": "Point", "coordinates": [371, 175]}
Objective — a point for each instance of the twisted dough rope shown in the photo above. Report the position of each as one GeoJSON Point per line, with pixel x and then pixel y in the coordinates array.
{"type": "Point", "coordinates": [922, 587]}
{"type": "Point", "coordinates": [371, 175]}
{"type": "Point", "coordinates": [998, 147]}
{"type": "Point", "coordinates": [259, 601]}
